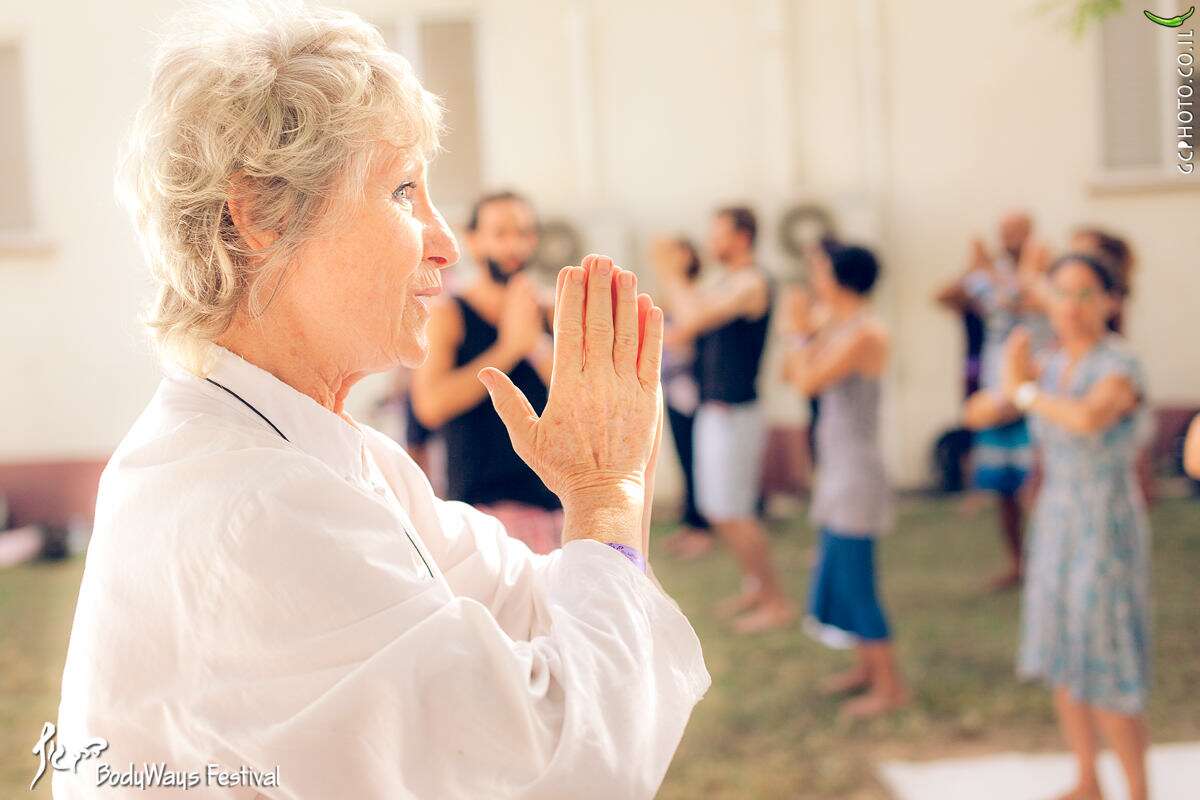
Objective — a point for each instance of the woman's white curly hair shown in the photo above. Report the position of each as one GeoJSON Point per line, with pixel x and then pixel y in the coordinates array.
{"type": "Point", "coordinates": [277, 102]}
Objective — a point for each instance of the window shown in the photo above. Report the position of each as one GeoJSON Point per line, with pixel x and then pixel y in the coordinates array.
{"type": "Point", "coordinates": [441, 48]}
{"type": "Point", "coordinates": [1141, 91]}
{"type": "Point", "coordinates": [16, 202]}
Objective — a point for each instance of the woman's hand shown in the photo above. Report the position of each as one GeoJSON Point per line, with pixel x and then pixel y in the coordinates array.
{"type": "Point", "coordinates": [1035, 260]}
{"type": "Point", "coordinates": [798, 310]}
{"type": "Point", "coordinates": [1018, 365]}
{"type": "Point", "coordinates": [595, 439]}
{"type": "Point", "coordinates": [1191, 449]}
{"type": "Point", "coordinates": [668, 258]}
{"type": "Point", "coordinates": [979, 259]}
{"type": "Point", "coordinates": [520, 324]}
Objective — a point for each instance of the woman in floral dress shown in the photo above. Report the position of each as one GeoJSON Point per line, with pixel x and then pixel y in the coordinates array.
{"type": "Point", "coordinates": [1085, 616]}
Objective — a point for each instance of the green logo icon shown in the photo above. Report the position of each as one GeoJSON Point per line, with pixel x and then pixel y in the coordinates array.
{"type": "Point", "coordinates": [1170, 22]}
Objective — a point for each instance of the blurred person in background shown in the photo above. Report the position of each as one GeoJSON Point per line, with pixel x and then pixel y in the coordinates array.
{"type": "Point", "coordinates": [272, 585]}
{"type": "Point", "coordinates": [682, 393]}
{"type": "Point", "coordinates": [841, 355]}
{"type": "Point", "coordinates": [728, 319]}
{"type": "Point", "coordinates": [1191, 449]}
{"type": "Point", "coordinates": [1117, 252]}
{"type": "Point", "coordinates": [1001, 454]}
{"type": "Point", "coordinates": [1119, 255]}
{"type": "Point", "coordinates": [1085, 626]}
{"type": "Point", "coordinates": [496, 320]}
{"type": "Point", "coordinates": [395, 413]}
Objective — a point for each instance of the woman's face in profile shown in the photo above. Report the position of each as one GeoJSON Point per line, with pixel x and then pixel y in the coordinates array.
{"type": "Point", "coordinates": [366, 288]}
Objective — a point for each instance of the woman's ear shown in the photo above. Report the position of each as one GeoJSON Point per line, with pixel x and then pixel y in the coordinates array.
{"type": "Point", "coordinates": [240, 203]}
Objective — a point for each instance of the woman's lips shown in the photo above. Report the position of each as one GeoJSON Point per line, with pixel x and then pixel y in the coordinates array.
{"type": "Point", "coordinates": [425, 297]}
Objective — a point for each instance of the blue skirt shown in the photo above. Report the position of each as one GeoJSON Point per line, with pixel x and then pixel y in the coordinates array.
{"type": "Point", "coordinates": [1002, 457]}
{"type": "Point", "coordinates": [844, 607]}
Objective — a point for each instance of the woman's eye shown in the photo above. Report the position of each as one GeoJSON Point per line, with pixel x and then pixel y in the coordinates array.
{"type": "Point", "coordinates": [403, 192]}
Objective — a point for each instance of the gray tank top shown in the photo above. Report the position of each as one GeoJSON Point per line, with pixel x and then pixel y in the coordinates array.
{"type": "Point", "coordinates": [851, 497]}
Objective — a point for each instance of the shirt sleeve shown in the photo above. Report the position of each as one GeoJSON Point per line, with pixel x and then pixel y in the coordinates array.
{"type": "Point", "coordinates": [323, 647]}
{"type": "Point", "coordinates": [472, 549]}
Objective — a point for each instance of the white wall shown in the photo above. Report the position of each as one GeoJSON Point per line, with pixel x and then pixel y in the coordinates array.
{"type": "Point", "coordinates": [1000, 112]}
{"type": "Point", "coordinates": [639, 117]}
{"type": "Point", "coordinates": [76, 370]}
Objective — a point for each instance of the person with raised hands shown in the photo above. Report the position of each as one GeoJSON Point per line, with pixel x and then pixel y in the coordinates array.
{"type": "Point", "coordinates": [1085, 616]}
{"type": "Point", "coordinates": [496, 320]}
{"type": "Point", "coordinates": [272, 587]}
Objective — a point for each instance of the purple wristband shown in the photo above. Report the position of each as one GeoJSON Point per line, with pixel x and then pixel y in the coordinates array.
{"type": "Point", "coordinates": [633, 555]}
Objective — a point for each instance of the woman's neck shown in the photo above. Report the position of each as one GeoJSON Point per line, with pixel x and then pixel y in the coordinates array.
{"type": "Point", "coordinates": [1078, 346]}
{"type": "Point", "coordinates": [845, 306]}
{"type": "Point", "coordinates": [291, 360]}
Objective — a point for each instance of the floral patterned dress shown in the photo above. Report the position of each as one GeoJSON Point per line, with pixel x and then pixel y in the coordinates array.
{"type": "Point", "coordinates": [1086, 610]}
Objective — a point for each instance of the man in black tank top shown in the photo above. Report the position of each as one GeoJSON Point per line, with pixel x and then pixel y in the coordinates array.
{"type": "Point", "coordinates": [496, 321]}
{"type": "Point", "coordinates": [728, 320]}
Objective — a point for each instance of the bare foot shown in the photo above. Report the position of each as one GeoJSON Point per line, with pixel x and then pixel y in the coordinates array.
{"type": "Point", "coordinates": [973, 503]}
{"type": "Point", "coordinates": [875, 704]}
{"type": "Point", "coordinates": [694, 546]}
{"type": "Point", "coordinates": [768, 616]}
{"type": "Point", "coordinates": [848, 682]}
{"type": "Point", "coordinates": [737, 604]}
{"type": "Point", "coordinates": [1005, 582]}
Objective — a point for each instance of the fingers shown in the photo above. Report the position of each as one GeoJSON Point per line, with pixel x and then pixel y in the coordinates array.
{"type": "Point", "coordinates": [651, 360]}
{"type": "Point", "coordinates": [598, 319]}
{"type": "Point", "coordinates": [568, 323]}
{"type": "Point", "coordinates": [644, 304]}
{"type": "Point", "coordinates": [513, 408]}
{"type": "Point", "coordinates": [651, 471]}
{"type": "Point", "coordinates": [626, 325]}
{"type": "Point", "coordinates": [558, 287]}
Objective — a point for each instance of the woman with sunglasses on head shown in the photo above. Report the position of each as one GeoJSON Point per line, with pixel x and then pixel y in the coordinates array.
{"type": "Point", "coordinates": [1085, 620]}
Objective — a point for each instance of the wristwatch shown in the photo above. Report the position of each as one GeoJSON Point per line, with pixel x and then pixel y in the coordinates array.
{"type": "Point", "coordinates": [1025, 396]}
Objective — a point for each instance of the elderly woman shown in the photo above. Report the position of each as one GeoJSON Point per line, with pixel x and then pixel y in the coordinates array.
{"type": "Point", "coordinates": [273, 594]}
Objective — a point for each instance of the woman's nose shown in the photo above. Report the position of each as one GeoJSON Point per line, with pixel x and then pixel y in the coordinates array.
{"type": "Point", "coordinates": [441, 248]}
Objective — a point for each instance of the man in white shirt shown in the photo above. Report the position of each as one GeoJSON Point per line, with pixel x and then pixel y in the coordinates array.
{"type": "Point", "coordinates": [274, 602]}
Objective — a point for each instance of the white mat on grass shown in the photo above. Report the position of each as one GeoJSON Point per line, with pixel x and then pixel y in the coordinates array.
{"type": "Point", "coordinates": [1174, 775]}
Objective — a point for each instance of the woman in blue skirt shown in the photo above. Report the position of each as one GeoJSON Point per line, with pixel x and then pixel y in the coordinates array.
{"type": "Point", "coordinates": [1085, 616]}
{"type": "Point", "coordinates": [842, 361]}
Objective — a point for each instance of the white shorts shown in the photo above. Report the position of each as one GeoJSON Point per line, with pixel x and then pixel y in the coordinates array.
{"type": "Point", "coordinates": [729, 441]}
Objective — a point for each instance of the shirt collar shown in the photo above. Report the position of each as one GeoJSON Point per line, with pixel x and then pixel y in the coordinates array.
{"type": "Point", "coordinates": [303, 421]}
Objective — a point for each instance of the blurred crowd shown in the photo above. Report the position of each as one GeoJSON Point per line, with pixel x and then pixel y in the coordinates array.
{"type": "Point", "coordinates": [1055, 427]}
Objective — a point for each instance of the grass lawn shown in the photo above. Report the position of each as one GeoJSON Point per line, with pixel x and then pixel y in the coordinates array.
{"type": "Point", "coordinates": [764, 731]}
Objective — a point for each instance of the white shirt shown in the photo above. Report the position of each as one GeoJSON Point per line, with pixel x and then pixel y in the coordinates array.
{"type": "Point", "coordinates": [308, 604]}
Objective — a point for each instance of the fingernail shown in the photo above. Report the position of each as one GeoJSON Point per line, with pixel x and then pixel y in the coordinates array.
{"type": "Point", "coordinates": [576, 275]}
{"type": "Point", "coordinates": [486, 378]}
{"type": "Point", "coordinates": [603, 265]}
{"type": "Point", "coordinates": [626, 280]}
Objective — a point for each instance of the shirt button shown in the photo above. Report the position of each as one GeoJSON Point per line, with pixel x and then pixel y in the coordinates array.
{"type": "Point", "coordinates": [379, 490]}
